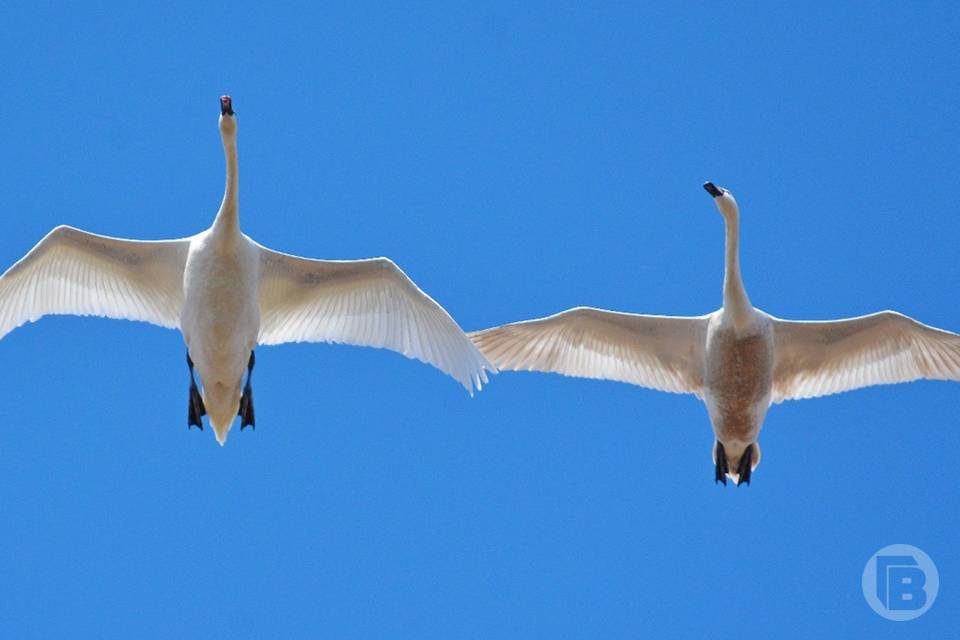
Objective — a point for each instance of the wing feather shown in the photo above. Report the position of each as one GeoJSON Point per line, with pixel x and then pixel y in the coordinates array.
{"type": "Point", "coordinates": [366, 303]}
{"type": "Point", "coordinates": [74, 272]}
{"type": "Point", "coordinates": [659, 352]}
{"type": "Point", "coordinates": [821, 358]}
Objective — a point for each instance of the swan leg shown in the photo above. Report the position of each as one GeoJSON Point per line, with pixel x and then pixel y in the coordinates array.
{"type": "Point", "coordinates": [720, 474]}
{"type": "Point", "coordinates": [745, 467]}
{"type": "Point", "coordinates": [195, 408]}
{"type": "Point", "coordinates": [246, 399]}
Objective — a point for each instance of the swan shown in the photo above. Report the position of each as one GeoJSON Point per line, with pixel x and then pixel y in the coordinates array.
{"type": "Point", "coordinates": [738, 360]}
{"type": "Point", "coordinates": [227, 294]}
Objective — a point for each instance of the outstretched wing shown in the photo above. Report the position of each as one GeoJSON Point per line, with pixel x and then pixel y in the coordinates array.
{"type": "Point", "coordinates": [820, 358]}
{"type": "Point", "coordinates": [369, 303]}
{"type": "Point", "coordinates": [659, 352]}
{"type": "Point", "coordinates": [73, 272]}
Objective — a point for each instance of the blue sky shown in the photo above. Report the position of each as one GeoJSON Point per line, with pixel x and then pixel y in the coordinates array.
{"type": "Point", "coordinates": [515, 162]}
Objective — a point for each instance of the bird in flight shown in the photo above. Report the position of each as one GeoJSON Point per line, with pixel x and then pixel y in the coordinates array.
{"type": "Point", "coordinates": [227, 294]}
{"type": "Point", "coordinates": [738, 359]}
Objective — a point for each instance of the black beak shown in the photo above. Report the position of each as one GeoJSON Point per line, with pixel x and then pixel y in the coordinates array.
{"type": "Point", "coordinates": [226, 106]}
{"type": "Point", "coordinates": [712, 189]}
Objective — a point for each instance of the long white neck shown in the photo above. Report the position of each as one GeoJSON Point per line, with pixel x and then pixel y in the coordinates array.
{"type": "Point", "coordinates": [735, 300]}
{"type": "Point", "coordinates": [227, 221]}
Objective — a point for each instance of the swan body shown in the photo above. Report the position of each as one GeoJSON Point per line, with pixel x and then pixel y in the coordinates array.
{"type": "Point", "coordinates": [227, 294]}
{"type": "Point", "coordinates": [737, 380]}
{"type": "Point", "coordinates": [738, 359]}
{"type": "Point", "coordinates": [221, 319]}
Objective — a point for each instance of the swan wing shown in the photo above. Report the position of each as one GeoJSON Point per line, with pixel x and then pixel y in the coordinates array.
{"type": "Point", "coordinates": [819, 358]}
{"type": "Point", "coordinates": [659, 352]}
{"type": "Point", "coordinates": [369, 303]}
{"type": "Point", "coordinates": [73, 272]}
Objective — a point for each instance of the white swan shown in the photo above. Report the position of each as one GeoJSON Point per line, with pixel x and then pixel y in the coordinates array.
{"type": "Point", "coordinates": [738, 359]}
{"type": "Point", "coordinates": [226, 294]}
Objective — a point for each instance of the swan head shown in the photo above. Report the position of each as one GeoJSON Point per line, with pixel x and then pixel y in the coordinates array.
{"type": "Point", "coordinates": [723, 199]}
{"type": "Point", "coordinates": [735, 460]}
{"type": "Point", "coordinates": [228, 119]}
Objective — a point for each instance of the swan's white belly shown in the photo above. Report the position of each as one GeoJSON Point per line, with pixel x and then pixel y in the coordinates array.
{"type": "Point", "coordinates": [221, 319]}
{"type": "Point", "coordinates": [738, 379]}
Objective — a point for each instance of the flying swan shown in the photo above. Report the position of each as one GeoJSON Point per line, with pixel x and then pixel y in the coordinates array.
{"type": "Point", "coordinates": [226, 294]}
{"type": "Point", "coordinates": [738, 359]}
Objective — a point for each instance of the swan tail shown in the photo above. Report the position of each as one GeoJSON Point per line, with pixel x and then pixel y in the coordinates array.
{"type": "Point", "coordinates": [222, 402]}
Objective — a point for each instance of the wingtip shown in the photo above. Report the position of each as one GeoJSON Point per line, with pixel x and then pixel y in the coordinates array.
{"type": "Point", "coordinates": [475, 380]}
{"type": "Point", "coordinates": [473, 384]}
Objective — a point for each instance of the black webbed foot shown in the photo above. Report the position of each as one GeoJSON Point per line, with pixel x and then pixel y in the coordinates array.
{"type": "Point", "coordinates": [195, 408]}
{"type": "Point", "coordinates": [745, 467]}
{"type": "Point", "coordinates": [246, 400]}
{"type": "Point", "coordinates": [720, 474]}
{"type": "Point", "coordinates": [246, 410]}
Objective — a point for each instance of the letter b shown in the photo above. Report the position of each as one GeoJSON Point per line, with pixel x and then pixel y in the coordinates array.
{"type": "Point", "coordinates": [906, 588]}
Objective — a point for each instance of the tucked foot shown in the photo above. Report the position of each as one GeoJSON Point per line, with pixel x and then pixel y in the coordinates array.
{"type": "Point", "coordinates": [195, 408]}
{"type": "Point", "coordinates": [246, 408]}
{"type": "Point", "coordinates": [246, 399]}
{"type": "Point", "coordinates": [720, 474]}
{"type": "Point", "coordinates": [745, 467]}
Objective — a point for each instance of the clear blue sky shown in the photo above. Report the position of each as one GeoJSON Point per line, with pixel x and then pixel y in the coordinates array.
{"type": "Point", "coordinates": [515, 162]}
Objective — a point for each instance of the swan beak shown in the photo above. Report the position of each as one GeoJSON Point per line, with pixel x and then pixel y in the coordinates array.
{"type": "Point", "coordinates": [226, 106]}
{"type": "Point", "coordinates": [712, 189]}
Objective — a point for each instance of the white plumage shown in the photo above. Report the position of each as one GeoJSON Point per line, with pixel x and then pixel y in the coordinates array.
{"type": "Point", "coordinates": [78, 273]}
{"type": "Point", "coordinates": [362, 302]}
{"type": "Point", "coordinates": [226, 294]}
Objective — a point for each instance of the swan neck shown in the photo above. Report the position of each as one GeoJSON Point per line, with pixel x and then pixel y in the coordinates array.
{"type": "Point", "coordinates": [735, 298]}
{"type": "Point", "coordinates": [228, 217]}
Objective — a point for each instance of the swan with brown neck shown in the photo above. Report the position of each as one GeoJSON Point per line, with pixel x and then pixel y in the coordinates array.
{"type": "Point", "coordinates": [738, 359]}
